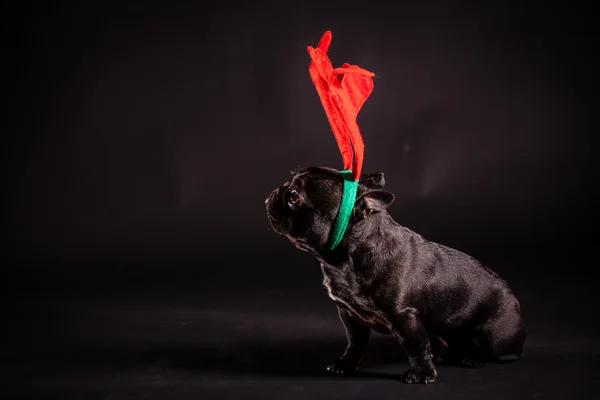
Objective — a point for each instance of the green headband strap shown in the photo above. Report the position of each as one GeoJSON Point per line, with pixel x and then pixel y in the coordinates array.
{"type": "Point", "coordinates": [346, 207]}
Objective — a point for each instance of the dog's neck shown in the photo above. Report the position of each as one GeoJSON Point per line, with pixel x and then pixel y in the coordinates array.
{"type": "Point", "coordinates": [366, 243]}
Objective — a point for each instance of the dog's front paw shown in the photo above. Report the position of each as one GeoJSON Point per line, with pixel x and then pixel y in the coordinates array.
{"type": "Point", "coordinates": [343, 367]}
{"type": "Point", "coordinates": [419, 376]}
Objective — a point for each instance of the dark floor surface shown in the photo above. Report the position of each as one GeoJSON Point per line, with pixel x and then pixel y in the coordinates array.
{"type": "Point", "coordinates": [174, 333]}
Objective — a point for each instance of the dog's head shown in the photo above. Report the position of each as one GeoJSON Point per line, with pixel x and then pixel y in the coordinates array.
{"type": "Point", "coordinates": [305, 207]}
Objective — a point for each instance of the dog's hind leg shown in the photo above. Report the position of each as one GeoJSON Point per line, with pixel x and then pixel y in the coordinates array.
{"type": "Point", "coordinates": [502, 336]}
{"type": "Point", "coordinates": [440, 350]}
{"type": "Point", "coordinates": [461, 348]}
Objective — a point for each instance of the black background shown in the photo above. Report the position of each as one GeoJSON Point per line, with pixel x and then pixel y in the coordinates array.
{"type": "Point", "coordinates": [143, 137]}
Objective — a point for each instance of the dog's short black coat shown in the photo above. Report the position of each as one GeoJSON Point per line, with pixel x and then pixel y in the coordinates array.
{"type": "Point", "coordinates": [440, 304]}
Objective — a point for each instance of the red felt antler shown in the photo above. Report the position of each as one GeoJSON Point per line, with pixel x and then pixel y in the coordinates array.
{"type": "Point", "coordinates": [342, 91]}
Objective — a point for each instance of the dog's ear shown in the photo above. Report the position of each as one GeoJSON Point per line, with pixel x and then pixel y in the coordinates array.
{"type": "Point", "coordinates": [372, 201]}
{"type": "Point", "coordinates": [373, 181]}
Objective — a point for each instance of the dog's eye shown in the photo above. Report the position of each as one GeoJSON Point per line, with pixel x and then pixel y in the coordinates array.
{"type": "Point", "coordinates": [293, 198]}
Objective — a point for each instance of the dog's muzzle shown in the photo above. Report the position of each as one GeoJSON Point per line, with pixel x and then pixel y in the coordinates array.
{"type": "Point", "coordinates": [270, 202]}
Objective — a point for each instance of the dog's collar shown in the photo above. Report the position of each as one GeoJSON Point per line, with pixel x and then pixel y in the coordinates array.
{"type": "Point", "coordinates": [345, 211]}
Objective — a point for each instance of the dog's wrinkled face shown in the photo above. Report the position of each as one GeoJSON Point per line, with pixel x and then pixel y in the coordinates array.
{"type": "Point", "coordinates": [304, 208]}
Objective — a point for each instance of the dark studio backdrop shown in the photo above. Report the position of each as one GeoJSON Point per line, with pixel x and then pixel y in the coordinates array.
{"type": "Point", "coordinates": [143, 137]}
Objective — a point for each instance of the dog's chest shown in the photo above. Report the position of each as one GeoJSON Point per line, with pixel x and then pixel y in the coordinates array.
{"type": "Point", "coordinates": [349, 294]}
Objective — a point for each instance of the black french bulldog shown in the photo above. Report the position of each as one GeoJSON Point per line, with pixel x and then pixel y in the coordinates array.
{"type": "Point", "coordinates": [437, 302]}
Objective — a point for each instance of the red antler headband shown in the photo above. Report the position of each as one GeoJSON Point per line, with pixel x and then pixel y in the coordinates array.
{"type": "Point", "coordinates": [342, 91]}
